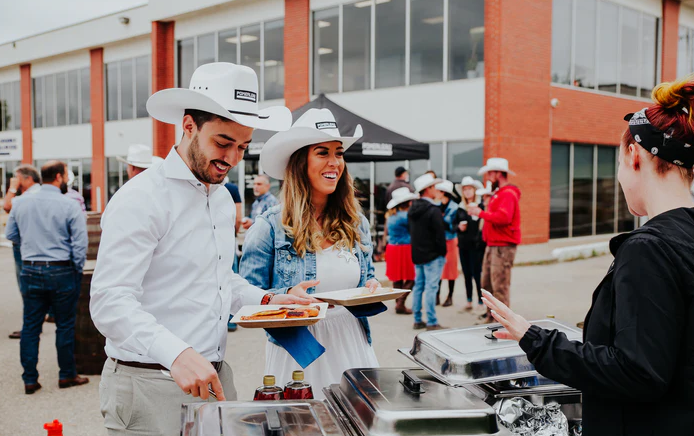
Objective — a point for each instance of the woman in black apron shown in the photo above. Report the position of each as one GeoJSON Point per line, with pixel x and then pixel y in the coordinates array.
{"type": "Point", "coordinates": [635, 366]}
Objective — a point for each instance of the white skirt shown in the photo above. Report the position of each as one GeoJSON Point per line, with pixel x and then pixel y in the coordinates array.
{"type": "Point", "coordinates": [346, 347]}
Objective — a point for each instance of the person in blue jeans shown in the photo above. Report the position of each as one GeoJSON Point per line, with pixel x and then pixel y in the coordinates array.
{"type": "Point", "coordinates": [428, 237]}
{"type": "Point", "coordinates": [53, 233]}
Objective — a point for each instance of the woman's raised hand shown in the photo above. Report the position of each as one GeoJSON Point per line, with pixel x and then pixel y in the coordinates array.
{"type": "Point", "coordinates": [515, 325]}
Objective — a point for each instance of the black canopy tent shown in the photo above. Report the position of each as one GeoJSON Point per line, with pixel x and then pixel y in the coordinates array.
{"type": "Point", "coordinates": [377, 145]}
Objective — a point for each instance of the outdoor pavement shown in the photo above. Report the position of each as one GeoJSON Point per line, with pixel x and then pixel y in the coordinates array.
{"type": "Point", "coordinates": [563, 290]}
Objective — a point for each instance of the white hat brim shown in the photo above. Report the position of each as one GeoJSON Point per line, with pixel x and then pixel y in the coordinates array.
{"type": "Point", "coordinates": [393, 202]}
{"type": "Point", "coordinates": [432, 183]}
{"type": "Point", "coordinates": [169, 105]}
{"type": "Point", "coordinates": [135, 164]}
{"type": "Point", "coordinates": [275, 154]}
{"type": "Point", "coordinates": [485, 169]}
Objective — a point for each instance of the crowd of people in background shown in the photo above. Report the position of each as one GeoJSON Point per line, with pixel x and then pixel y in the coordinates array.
{"type": "Point", "coordinates": [434, 226]}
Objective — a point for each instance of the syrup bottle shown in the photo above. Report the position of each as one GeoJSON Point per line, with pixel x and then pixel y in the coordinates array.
{"type": "Point", "coordinates": [268, 391]}
{"type": "Point", "coordinates": [298, 389]}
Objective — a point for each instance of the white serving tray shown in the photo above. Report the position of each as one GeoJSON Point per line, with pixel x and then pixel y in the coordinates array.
{"type": "Point", "coordinates": [359, 296]}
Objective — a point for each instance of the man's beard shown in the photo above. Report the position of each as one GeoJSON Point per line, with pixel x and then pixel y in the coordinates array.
{"type": "Point", "coordinates": [495, 185]}
{"type": "Point", "coordinates": [63, 188]}
{"type": "Point", "coordinates": [200, 166]}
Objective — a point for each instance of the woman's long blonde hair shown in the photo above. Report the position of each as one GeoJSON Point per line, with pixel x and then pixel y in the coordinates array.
{"type": "Point", "coordinates": [341, 217]}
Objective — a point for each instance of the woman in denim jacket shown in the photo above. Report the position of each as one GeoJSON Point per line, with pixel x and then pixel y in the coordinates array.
{"type": "Point", "coordinates": [316, 241]}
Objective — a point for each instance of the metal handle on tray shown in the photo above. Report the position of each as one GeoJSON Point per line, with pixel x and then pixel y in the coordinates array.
{"type": "Point", "coordinates": [272, 426]}
{"type": "Point", "coordinates": [493, 328]}
{"type": "Point", "coordinates": [412, 383]}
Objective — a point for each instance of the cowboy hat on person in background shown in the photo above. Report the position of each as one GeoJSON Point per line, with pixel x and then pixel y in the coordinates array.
{"type": "Point", "coordinates": [178, 217]}
{"type": "Point", "coordinates": [139, 158]}
{"type": "Point", "coordinates": [401, 195]}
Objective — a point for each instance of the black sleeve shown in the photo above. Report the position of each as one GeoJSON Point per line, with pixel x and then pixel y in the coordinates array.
{"type": "Point", "coordinates": [649, 325]}
{"type": "Point", "coordinates": [438, 227]}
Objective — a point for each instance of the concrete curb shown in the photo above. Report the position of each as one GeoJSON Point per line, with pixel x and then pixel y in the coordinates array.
{"type": "Point", "coordinates": [565, 254]}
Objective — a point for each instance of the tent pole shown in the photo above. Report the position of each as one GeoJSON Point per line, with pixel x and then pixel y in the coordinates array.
{"type": "Point", "coordinates": [372, 187]}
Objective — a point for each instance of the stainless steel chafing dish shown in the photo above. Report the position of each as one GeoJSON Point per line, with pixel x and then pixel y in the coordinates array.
{"type": "Point", "coordinates": [462, 375]}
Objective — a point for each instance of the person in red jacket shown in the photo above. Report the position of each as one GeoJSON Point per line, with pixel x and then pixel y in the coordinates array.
{"type": "Point", "coordinates": [501, 231]}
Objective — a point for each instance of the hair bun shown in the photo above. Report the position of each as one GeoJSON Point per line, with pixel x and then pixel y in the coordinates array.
{"type": "Point", "coordinates": [676, 94]}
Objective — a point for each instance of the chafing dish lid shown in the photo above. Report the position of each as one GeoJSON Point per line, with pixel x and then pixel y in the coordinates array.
{"type": "Point", "coordinates": [261, 418]}
{"type": "Point", "coordinates": [469, 355]}
{"type": "Point", "coordinates": [383, 402]}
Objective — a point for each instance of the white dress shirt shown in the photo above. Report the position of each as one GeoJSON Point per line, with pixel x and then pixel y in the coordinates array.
{"type": "Point", "coordinates": [163, 280]}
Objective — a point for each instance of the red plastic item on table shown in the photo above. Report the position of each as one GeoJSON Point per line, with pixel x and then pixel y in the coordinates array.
{"type": "Point", "coordinates": [54, 428]}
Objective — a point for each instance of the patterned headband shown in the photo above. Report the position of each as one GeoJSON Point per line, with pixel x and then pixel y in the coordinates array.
{"type": "Point", "coordinates": [658, 143]}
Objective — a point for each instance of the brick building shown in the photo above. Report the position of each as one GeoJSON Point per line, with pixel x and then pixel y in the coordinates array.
{"type": "Point", "coordinates": [544, 83]}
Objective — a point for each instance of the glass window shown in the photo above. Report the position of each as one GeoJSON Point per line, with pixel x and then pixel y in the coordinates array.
{"type": "Point", "coordinates": [49, 100]}
{"type": "Point", "coordinates": [561, 41]}
{"type": "Point", "coordinates": [625, 219]}
{"type": "Point", "coordinates": [426, 41]}
{"type": "Point", "coordinates": [607, 183]}
{"type": "Point", "coordinates": [683, 57]}
{"type": "Point", "coordinates": [73, 93]}
{"type": "Point", "coordinates": [87, 183]}
{"type": "Point", "coordinates": [7, 103]}
{"type": "Point", "coordinates": [206, 53]}
{"type": "Point", "coordinates": [629, 66]}
{"type": "Point", "coordinates": [325, 50]}
{"type": "Point", "coordinates": [361, 174]}
{"type": "Point", "coordinates": [584, 68]}
{"type": "Point", "coordinates": [417, 168]}
{"type": "Point", "coordinates": [186, 62]}
{"type": "Point", "coordinates": [649, 37]}
{"type": "Point", "coordinates": [583, 190]}
{"type": "Point", "coordinates": [86, 95]}
{"type": "Point", "coordinates": [127, 109]}
{"type": "Point", "coordinates": [435, 160]}
{"type": "Point", "coordinates": [465, 39]}
{"type": "Point", "coordinates": [464, 159]}
{"type": "Point", "coordinates": [4, 109]}
{"type": "Point", "coordinates": [117, 175]}
{"type": "Point", "coordinates": [17, 105]}
{"type": "Point", "coordinates": [559, 191]}
{"type": "Point", "coordinates": [228, 42]}
{"type": "Point", "coordinates": [356, 50]}
{"type": "Point", "coordinates": [142, 92]}
{"type": "Point", "coordinates": [38, 102]}
{"type": "Point", "coordinates": [250, 47]}
{"type": "Point", "coordinates": [274, 60]}
{"type": "Point", "coordinates": [112, 91]}
{"type": "Point", "coordinates": [390, 43]}
{"type": "Point", "coordinates": [61, 98]}
{"type": "Point", "coordinates": [608, 49]}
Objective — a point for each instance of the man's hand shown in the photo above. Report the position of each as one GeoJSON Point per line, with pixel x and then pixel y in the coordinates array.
{"type": "Point", "coordinates": [462, 226]}
{"type": "Point", "coordinates": [246, 223]}
{"type": "Point", "coordinates": [473, 209]}
{"type": "Point", "coordinates": [14, 184]}
{"type": "Point", "coordinates": [193, 374]}
{"type": "Point", "coordinates": [372, 285]}
{"type": "Point", "coordinates": [515, 325]}
{"type": "Point", "coordinates": [297, 294]}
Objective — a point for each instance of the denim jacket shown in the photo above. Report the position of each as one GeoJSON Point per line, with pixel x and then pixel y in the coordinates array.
{"type": "Point", "coordinates": [270, 262]}
{"type": "Point", "coordinates": [449, 217]}
{"type": "Point", "coordinates": [398, 229]}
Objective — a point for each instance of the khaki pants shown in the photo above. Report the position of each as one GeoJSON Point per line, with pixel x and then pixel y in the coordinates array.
{"type": "Point", "coordinates": [496, 273]}
{"type": "Point", "coordinates": [139, 402]}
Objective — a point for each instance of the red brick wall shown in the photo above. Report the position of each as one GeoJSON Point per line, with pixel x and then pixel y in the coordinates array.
{"type": "Point", "coordinates": [297, 15]}
{"type": "Point", "coordinates": [163, 135]}
{"type": "Point", "coordinates": [25, 106]}
{"type": "Point", "coordinates": [591, 118]}
{"type": "Point", "coordinates": [96, 73]}
{"type": "Point", "coordinates": [671, 19]}
{"type": "Point", "coordinates": [517, 122]}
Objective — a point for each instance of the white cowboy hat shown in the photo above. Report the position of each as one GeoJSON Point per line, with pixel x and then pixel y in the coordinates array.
{"type": "Point", "coordinates": [139, 155]}
{"type": "Point", "coordinates": [485, 191]}
{"type": "Point", "coordinates": [224, 89]}
{"type": "Point", "coordinates": [400, 196]}
{"type": "Point", "coordinates": [70, 178]}
{"type": "Point", "coordinates": [424, 181]}
{"type": "Point", "coordinates": [313, 127]}
{"type": "Point", "coordinates": [445, 186]}
{"type": "Point", "coordinates": [469, 181]}
{"type": "Point", "coordinates": [496, 164]}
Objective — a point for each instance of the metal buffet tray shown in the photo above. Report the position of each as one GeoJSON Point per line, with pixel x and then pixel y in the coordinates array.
{"type": "Point", "coordinates": [259, 418]}
{"type": "Point", "coordinates": [464, 356]}
{"type": "Point", "coordinates": [408, 402]}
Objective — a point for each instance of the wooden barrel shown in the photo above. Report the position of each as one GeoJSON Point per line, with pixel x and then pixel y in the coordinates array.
{"type": "Point", "coordinates": [89, 344]}
{"type": "Point", "coordinates": [93, 233]}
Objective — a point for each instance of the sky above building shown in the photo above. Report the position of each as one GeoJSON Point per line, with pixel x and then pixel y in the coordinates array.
{"type": "Point", "coordinates": [22, 18]}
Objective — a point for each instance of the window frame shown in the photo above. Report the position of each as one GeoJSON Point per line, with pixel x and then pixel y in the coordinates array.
{"type": "Point", "coordinates": [53, 77]}
{"type": "Point", "coordinates": [119, 81]}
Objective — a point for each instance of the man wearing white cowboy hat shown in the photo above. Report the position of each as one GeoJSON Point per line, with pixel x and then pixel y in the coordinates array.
{"type": "Point", "coordinates": [501, 231]}
{"type": "Point", "coordinates": [427, 231]}
{"type": "Point", "coordinates": [139, 158]}
{"type": "Point", "coordinates": [163, 286]}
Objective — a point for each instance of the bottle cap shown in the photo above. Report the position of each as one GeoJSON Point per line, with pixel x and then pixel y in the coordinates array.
{"type": "Point", "coordinates": [269, 380]}
{"type": "Point", "coordinates": [54, 428]}
{"type": "Point", "coordinates": [550, 316]}
{"type": "Point", "coordinates": [298, 376]}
